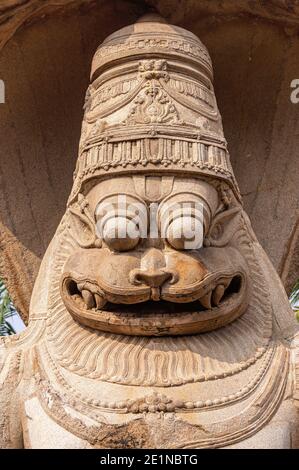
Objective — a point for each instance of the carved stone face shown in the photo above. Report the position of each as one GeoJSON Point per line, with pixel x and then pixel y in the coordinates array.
{"type": "Point", "coordinates": [154, 255]}
{"type": "Point", "coordinates": [157, 257]}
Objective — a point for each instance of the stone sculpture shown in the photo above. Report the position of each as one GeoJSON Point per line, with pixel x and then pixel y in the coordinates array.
{"type": "Point", "coordinates": [138, 339]}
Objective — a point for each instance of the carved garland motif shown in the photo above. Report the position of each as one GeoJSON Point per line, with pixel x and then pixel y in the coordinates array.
{"type": "Point", "coordinates": [216, 435]}
{"type": "Point", "coordinates": [159, 402]}
{"type": "Point", "coordinates": [155, 82]}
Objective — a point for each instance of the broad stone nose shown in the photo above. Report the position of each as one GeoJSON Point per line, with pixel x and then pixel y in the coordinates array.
{"type": "Point", "coordinates": [152, 272]}
{"type": "Point", "coordinates": [151, 278]}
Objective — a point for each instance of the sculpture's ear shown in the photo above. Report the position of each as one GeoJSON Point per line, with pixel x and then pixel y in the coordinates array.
{"type": "Point", "coordinates": [82, 224]}
{"type": "Point", "coordinates": [223, 227]}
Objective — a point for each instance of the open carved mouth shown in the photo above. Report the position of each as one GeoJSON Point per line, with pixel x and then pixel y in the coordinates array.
{"type": "Point", "coordinates": [218, 305]}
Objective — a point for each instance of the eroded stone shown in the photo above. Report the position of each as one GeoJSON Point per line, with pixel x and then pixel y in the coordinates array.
{"type": "Point", "coordinates": [152, 342]}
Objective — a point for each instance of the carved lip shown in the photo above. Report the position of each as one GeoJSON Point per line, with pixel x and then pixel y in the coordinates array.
{"type": "Point", "coordinates": [224, 300]}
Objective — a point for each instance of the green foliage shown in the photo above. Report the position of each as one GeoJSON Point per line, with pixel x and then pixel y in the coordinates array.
{"type": "Point", "coordinates": [294, 299]}
{"type": "Point", "coordinates": [6, 311]}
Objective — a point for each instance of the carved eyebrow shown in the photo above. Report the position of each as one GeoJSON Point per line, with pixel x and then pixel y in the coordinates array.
{"type": "Point", "coordinates": [108, 199]}
{"type": "Point", "coordinates": [184, 193]}
{"type": "Point", "coordinates": [132, 195]}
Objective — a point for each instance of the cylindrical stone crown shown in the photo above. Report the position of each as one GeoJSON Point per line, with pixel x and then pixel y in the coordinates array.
{"type": "Point", "coordinates": [151, 107]}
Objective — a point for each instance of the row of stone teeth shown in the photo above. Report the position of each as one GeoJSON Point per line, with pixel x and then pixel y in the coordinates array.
{"type": "Point", "coordinates": [91, 299]}
{"type": "Point", "coordinates": [213, 297]}
{"type": "Point", "coordinates": [96, 301]}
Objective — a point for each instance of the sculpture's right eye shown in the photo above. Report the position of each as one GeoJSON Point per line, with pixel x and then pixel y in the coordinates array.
{"type": "Point", "coordinates": [121, 222]}
{"type": "Point", "coordinates": [121, 233]}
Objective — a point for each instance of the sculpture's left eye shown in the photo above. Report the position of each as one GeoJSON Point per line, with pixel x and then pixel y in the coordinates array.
{"type": "Point", "coordinates": [184, 224]}
{"type": "Point", "coordinates": [120, 233]}
{"type": "Point", "coordinates": [185, 232]}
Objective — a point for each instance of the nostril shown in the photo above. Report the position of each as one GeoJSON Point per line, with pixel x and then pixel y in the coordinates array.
{"type": "Point", "coordinates": [174, 277]}
{"type": "Point", "coordinates": [135, 277]}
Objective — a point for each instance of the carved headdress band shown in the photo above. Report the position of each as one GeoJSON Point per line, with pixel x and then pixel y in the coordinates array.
{"type": "Point", "coordinates": [151, 107]}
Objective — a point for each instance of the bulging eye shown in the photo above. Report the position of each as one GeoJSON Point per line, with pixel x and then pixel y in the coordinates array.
{"type": "Point", "coordinates": [184, 223]}
{"type": "Point", "coordinates": [121, 233]}
{"type": "Point", "coordinates": [121, 221]}
{"type": "Point", "coordinates": [185, 233]}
